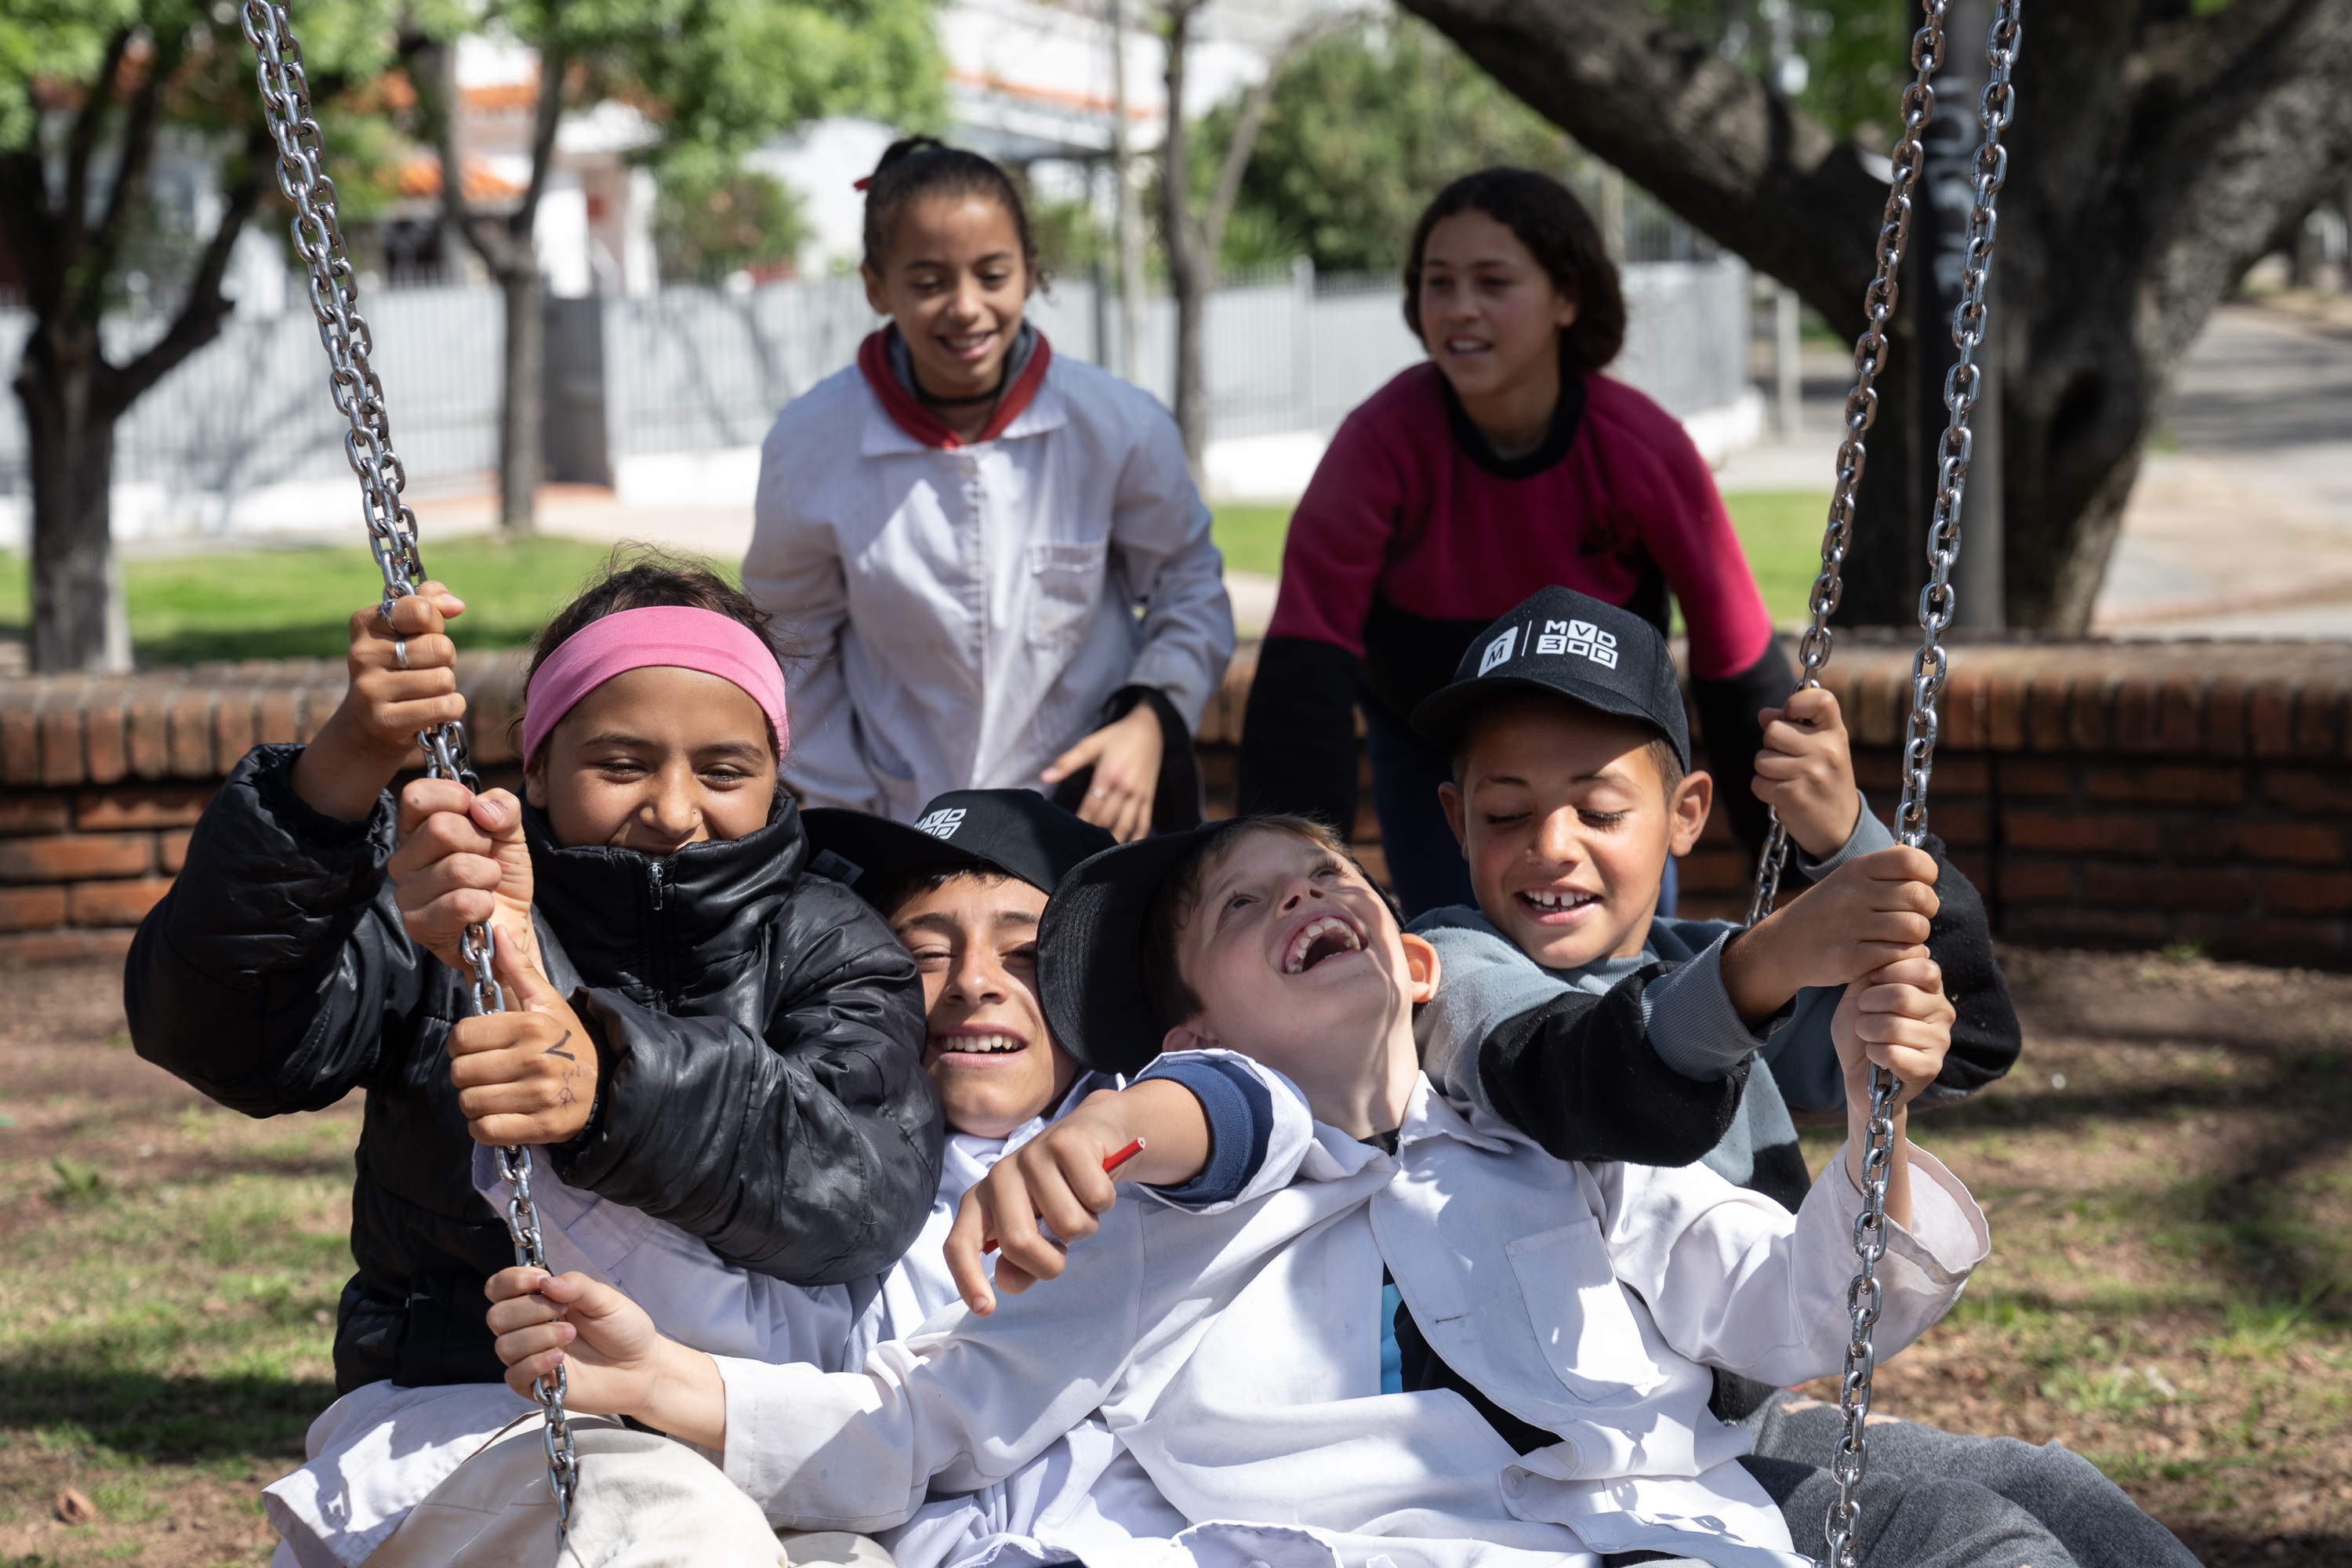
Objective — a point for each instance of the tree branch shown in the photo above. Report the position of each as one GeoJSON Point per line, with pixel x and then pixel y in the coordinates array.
{"type": "Point", "coordinates": [1711, 141]}
{"type": "Point", "coordinates": [88, 121]}
{"type": "Point", "coordinates": [554, 64]}
{"type": "Point", "coordinates": [29, 225]}
{"type": "Point", "coordinates": [137, 156]}
{"type": "Point", "coordinates": [201, 314]}
{"type": "Point", "coordinates": [433, 70]}
{"type": "Point", "coordinates": [1252, 118]}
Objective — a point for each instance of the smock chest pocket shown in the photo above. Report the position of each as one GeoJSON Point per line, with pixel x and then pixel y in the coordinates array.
{"type": "Point", "coordinates": [1065, 589]}
{"type": "Point", "coordinates": [1582, 1318]}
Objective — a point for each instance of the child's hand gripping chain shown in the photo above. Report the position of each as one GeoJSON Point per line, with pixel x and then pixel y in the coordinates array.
{"type": "Point", "coordinates": [1805, 771]}
{"type": "Point", "coordinates": [527, 1075]}
{"type": "Point", "coordinates": [1899, 1018]}
{"type": "Point", "coordinates": [404, 681]}
{"type": "Point", "coordinates": [462, 861]}
{"type": "Point", "coordinates": [612, 1358]}
{"type": "Point", "coordinates": [1868, 913]}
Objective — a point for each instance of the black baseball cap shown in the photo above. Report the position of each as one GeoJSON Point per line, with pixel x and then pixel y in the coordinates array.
{"type": "Point", "coordinates": [1015, 831]}
{"type": "Point", "coordinates": [1090, 952]}
{"type": "Point", "coordinates": [1570, 645]}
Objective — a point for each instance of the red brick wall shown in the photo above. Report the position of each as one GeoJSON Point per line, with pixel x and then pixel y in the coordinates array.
{"type": "Point", "coordinates": [102, 776]}
{"type": "Point", "coordinates": [2098, 793]}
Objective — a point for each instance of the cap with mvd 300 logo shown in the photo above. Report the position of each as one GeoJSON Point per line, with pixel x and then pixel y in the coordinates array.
{"type": "Point", "coordinates": [1571, 645]}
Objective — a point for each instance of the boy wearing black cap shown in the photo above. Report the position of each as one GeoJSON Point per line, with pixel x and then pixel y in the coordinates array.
{"type": "Point", "coordinates": [1567, 1311]}
{"type": "Point", "coordinates": [1573, 785]}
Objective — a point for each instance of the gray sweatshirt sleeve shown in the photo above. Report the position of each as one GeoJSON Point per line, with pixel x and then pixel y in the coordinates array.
{"type": "Point", "coordinates": [1869, 837]}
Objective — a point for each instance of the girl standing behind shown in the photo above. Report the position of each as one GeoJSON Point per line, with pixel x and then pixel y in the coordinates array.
{"type": "Point", "coordinates": [1505, 464]}
{"type": "Point", "coordinates": [965, 527]}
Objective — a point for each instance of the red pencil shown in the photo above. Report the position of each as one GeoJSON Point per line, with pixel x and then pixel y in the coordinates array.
{"type": "Point", "coordinates": [1117, 1158]}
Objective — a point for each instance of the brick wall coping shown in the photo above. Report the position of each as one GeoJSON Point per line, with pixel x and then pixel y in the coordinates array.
{"type": "Point", "coordinates": [2188, 699]}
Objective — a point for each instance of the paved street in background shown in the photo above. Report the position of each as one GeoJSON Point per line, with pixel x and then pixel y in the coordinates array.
{"type": "Point", "coordinates": [2241, 524]}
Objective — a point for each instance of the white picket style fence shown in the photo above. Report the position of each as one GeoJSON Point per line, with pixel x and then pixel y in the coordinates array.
{"type": "Point", "coordinates": [243, 439]}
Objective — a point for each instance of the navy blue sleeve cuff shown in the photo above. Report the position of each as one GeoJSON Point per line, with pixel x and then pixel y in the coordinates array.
{"type": "Point", "coordinates": [1240, 1111]}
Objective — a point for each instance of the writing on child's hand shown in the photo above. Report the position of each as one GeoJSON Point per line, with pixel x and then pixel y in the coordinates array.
{"type": "Point", "coordinates": [522, 1075]}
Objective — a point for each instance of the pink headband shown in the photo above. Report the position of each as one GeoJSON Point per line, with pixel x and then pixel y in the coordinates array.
{"type": "Point", "coordinates": [674, 634]}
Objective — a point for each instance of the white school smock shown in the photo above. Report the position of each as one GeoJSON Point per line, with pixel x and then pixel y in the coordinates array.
{"type": "Point", "coordinates": [1237, 1357]}
{"type": "Point", "coordinates": [967, 611]}
{"type": "Point", "coordinates": [377, 1451]}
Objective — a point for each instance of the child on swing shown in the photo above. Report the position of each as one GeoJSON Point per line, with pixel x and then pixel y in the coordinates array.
{"type": "Point", "coordinates": [1571, 783]}
{"type": "Point", "coordinates": [1552, 1392]}
{"type": "Point", "coordinates": [996, 554]}
{"type": "Point", "coordinates": [964, 889]}
{"type": "Point", "coordinates": [698, 1029]}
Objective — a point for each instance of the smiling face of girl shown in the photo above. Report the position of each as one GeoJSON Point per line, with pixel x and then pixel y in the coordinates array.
{"type": "Point", "coordinates": [1491, 319]}
{"type": "Point", "coordinates": [656, 759]}
{"type": "Point", "coordinates": [955, 279]}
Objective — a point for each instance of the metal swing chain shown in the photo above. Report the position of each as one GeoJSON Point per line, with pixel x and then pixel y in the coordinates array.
{"type": "Point", "coordinates": [1930, 666]}
{"type": "Point", "coordinates": [392, 538]}
{"type": "Point", "coordinates": [1862, 403]}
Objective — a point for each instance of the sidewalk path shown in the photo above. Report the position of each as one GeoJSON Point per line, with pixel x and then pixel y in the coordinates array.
{"type": "Point", "coordinates": [2245, 529]}
{"type": "Point", "coordinates": [2241, 527]}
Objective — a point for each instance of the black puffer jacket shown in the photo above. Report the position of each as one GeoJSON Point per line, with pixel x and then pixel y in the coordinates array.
{"type": "Point", "coordinates": [761, 1084]}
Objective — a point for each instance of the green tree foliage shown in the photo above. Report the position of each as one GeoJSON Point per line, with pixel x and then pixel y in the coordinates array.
{"type": "Point", "coordinates": [718, 77]}
{"type": "Point", "coordinates": [1364, 128]}
{"type": "Point", "coordinates": [78, 73]}
{"type": "Point", "coordinates": [705, 229]}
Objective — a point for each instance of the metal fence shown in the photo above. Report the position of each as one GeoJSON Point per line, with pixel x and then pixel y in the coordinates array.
{"type": "Point", "coordinates": [243, 435]}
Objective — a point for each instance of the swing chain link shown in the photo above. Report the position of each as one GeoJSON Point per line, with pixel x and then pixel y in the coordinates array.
{"type": "Point", "coordinates": [392, 539]}
{"type": "Point", "coordinates": [1862, 403]}
{"type": "Point", "coordinates": [1931, 666]}
{"type": "Point", "coordinates": [1929, 670]}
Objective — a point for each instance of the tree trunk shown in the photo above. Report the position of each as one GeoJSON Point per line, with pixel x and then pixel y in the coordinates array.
{"type": "Point", "coordinates": [1188, 268]}
{"type": "Point", "coordinates": [521, 461]}
{"type": "Point", "coordinates": [2154, 155]}
{"type": "Point", "coordinates": [78, 615]}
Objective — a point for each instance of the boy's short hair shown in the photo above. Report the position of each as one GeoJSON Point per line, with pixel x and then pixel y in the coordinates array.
{"type": "Point", "coordinates": [1662, 756]}
{"type": "Point", "coordinates": [897, 893]}
{"type": "Point", "coordinates": [1167, 993]}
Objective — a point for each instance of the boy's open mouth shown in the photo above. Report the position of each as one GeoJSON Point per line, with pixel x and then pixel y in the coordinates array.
{"type": "Point", "coordinates": [1555, 906]}
{"type": "Point", "coordinates": [1322, 937]}
{"type": "Point", "coordinates": [982, 1043]}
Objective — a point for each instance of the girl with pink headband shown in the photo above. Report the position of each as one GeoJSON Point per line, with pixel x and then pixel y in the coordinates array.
{"type": "Point", "coordinates": [700, 1033]}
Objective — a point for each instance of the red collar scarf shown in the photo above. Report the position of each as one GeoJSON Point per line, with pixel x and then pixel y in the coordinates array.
{"type": "Point", "coordinates": [908, 411]}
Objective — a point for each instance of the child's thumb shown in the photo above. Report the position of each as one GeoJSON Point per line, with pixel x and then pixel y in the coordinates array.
{"type": "Point", "coordinates": [525, 986]}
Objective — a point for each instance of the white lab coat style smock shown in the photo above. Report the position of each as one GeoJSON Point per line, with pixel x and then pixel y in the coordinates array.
{"type": "Point", "coordinates": [970, 610]}
{"type": "Point", "coordinates": [1236, 1357]}
{"type": "Point", "coordinates": [379, 1449]}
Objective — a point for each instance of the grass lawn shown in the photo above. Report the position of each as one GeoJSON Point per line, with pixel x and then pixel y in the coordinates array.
{"type": "Point", "coordinates": [1781, 531]}
{"type": "Point", "coordinates": [277, 604]}
{"type": "Point", "coordinates": [273, 604]}
{"type": "Point", "coordinates": [1251, 537]}
{"type": "Point", "coordinates": [2167, 1173]}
